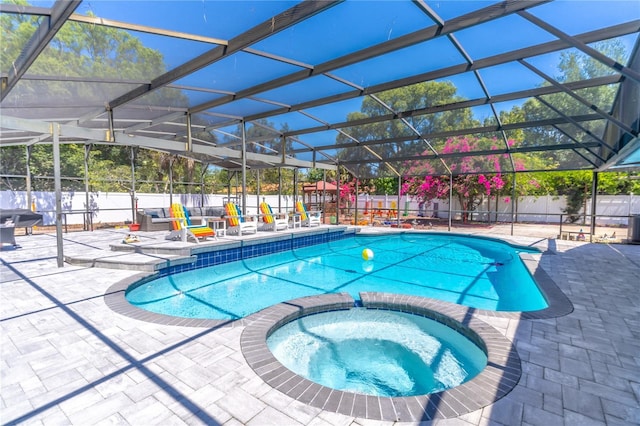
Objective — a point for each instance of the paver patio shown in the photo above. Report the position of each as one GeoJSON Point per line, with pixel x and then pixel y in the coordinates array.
{"type": "Point", "coordinates": [67, 358]}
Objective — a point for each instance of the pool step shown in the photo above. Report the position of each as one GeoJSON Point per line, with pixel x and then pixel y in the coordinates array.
{"type": "Point", "coordinates": [143, 262]}
{"type": "Point", "coordinates": [145, 256]}
{"type": "Point", "coordinates": [129, 261]}
{"type": "Point", "coordinates": [154, 252]}
{"type": "Point", "coordinates": [155, 247]}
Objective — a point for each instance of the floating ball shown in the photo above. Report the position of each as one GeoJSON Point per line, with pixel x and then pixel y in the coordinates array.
{"type": "Point", "coordinates": [367, 254]}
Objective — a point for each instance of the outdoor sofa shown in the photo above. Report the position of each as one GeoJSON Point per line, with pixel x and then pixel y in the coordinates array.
{"type": "Point", "coordinates": [159, 219]}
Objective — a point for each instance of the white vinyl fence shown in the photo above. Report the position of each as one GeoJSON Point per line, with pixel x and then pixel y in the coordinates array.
{"type": "Point", "coordinates": [112, 207]}
{"type": "Point", "coordinates": [109, 207]}
{"type": "Point", "coordinates": [611, 209]}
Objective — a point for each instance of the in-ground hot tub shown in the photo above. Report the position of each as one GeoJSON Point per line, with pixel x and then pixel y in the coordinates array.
{"type": "Point", "coordinates": [419, 384]}
{"type": "Point", "coordinates": [377, 352]}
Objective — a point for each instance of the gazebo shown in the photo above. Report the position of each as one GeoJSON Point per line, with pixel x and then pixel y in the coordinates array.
{"type": "Point", "coordinates": [315, 195]}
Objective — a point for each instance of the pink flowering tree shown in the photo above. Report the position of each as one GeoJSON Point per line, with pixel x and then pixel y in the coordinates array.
{"type": "Point", "coordinates": [347, 191]}
{"type": "Point", "coordinates": [471, 190]}
{"type": "Point", "coordinates": [471, 182]}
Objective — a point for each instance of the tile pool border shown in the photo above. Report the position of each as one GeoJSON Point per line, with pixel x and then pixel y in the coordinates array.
{"type": "Point", "coordinates": [246, 249]}
{"type": "Point", "coordinates": [559, 303]}
{"type": "Point", "coordinates": [496, 380]}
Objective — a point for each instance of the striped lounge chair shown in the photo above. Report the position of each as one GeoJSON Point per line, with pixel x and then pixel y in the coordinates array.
{"type": "Point", "coordinates": [236, 222]}
{"type": "Point", "coordinates": [183, 229]}
{"type": "Point", "coordinates": [308, 218]}
{"type": "Point", "coordinates": [273, 221]}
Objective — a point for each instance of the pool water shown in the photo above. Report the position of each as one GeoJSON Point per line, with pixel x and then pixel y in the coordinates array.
{"type": "Point", "coordinates": [374, 352]}
{"type": "Point", "coordinates": [476, 272]}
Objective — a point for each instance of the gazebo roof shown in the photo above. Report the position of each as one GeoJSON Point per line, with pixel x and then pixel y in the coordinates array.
{"type": "Point", "coordinates": [319, 186]}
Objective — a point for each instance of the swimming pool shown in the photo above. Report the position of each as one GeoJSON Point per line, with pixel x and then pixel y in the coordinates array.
{"type": "Point", "coordinates": [477, 272]}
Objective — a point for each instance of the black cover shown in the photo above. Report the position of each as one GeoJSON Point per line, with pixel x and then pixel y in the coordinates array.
{"type": "Point", "coordinates": [27, 218]}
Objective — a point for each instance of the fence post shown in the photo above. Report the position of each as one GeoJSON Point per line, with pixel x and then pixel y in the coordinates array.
{"type": "Point", "coordinates": [55, 129]}
{"type": "Point", "coordinates": [594, 192]}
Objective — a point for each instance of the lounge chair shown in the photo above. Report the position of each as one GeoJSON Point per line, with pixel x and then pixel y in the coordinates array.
{"type": "Point", "coordinates": [236, 222]}
{"type": "Point", "coordinates": [308, 218]}
{"type": "Point", "coordinates": [183, 229]}
{"type": "Point", "coordinates": [607, 238]}
{"type": "Point", "coordinates": [273, 221]}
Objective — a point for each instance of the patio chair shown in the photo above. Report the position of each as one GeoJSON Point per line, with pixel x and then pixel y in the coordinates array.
{"type": "Point", "coordinates": [236, 222]}
{"type": "Point", "coordinates": [183, 229]}
{"type": "Point", "coordinates": [7, 230]}
{"type": "Point", "coordinates": [607, 238]}
{"type": "Point", "coordinates": [273, 221]}
{"type": "Point", "coordinates": [308, 218]}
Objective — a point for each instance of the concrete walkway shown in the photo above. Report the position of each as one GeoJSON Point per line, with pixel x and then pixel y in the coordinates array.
{"type": "Point", "coordinates": [69, 359]}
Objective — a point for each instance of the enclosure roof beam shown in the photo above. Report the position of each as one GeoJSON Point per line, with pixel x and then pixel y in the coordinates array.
{"type": "Point", "coordinates": [486, 14]}
{"type": "Point", "coordinates": [581, 145]}
{"type": "Point", "coordinates": [531, 93]}
{"type": "Point", "coordinates": [102, 136]}
{"type": "Point", "coordinates": [580, 99]}
{"type": "Point", "coordinates": [94, 20]}
{"type": "Point", "coordinates": [627, 72]}
{"type": "Point", "coordinates": [575, 123]}
{"type": "Point", "coordinates": [159, 120]}
{"type": "Point", "coordinates": [468, 131]}
{"type": "Point", "coordinates": [284, 20]}
{"type": "Point", "coordinates": [45, 32]}
{"type": "Point", "coordinates": [603, 34]}
{"type": "Point", "coordinates": [545, 148]}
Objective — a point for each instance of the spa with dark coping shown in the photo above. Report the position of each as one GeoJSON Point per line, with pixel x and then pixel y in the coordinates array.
{"type": "Point", "coordinates": [496, 380]}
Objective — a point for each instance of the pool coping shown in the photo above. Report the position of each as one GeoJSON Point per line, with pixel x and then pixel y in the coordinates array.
{"type": "Point", "coordinates": [496, 380]}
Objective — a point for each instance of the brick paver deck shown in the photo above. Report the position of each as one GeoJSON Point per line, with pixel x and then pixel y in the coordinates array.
{"type": "Point", "coordinates": [68, 358]}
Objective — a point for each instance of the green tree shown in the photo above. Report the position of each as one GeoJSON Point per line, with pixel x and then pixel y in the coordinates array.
{"type": "Point", "coordinates": [316, 175]}
{"type": "Point", "coordinates": [407, 98]}
{"type": "Point", "coordinates": [612, 183]}
{"type": "Point", "coordinates": [88, 50]}
{"type": "Point", "coordinates": [575, 185]}
{"type": "Point", "coordinates": [573, 66]}
{"type": "Point", "coordinates": [385, 185]}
